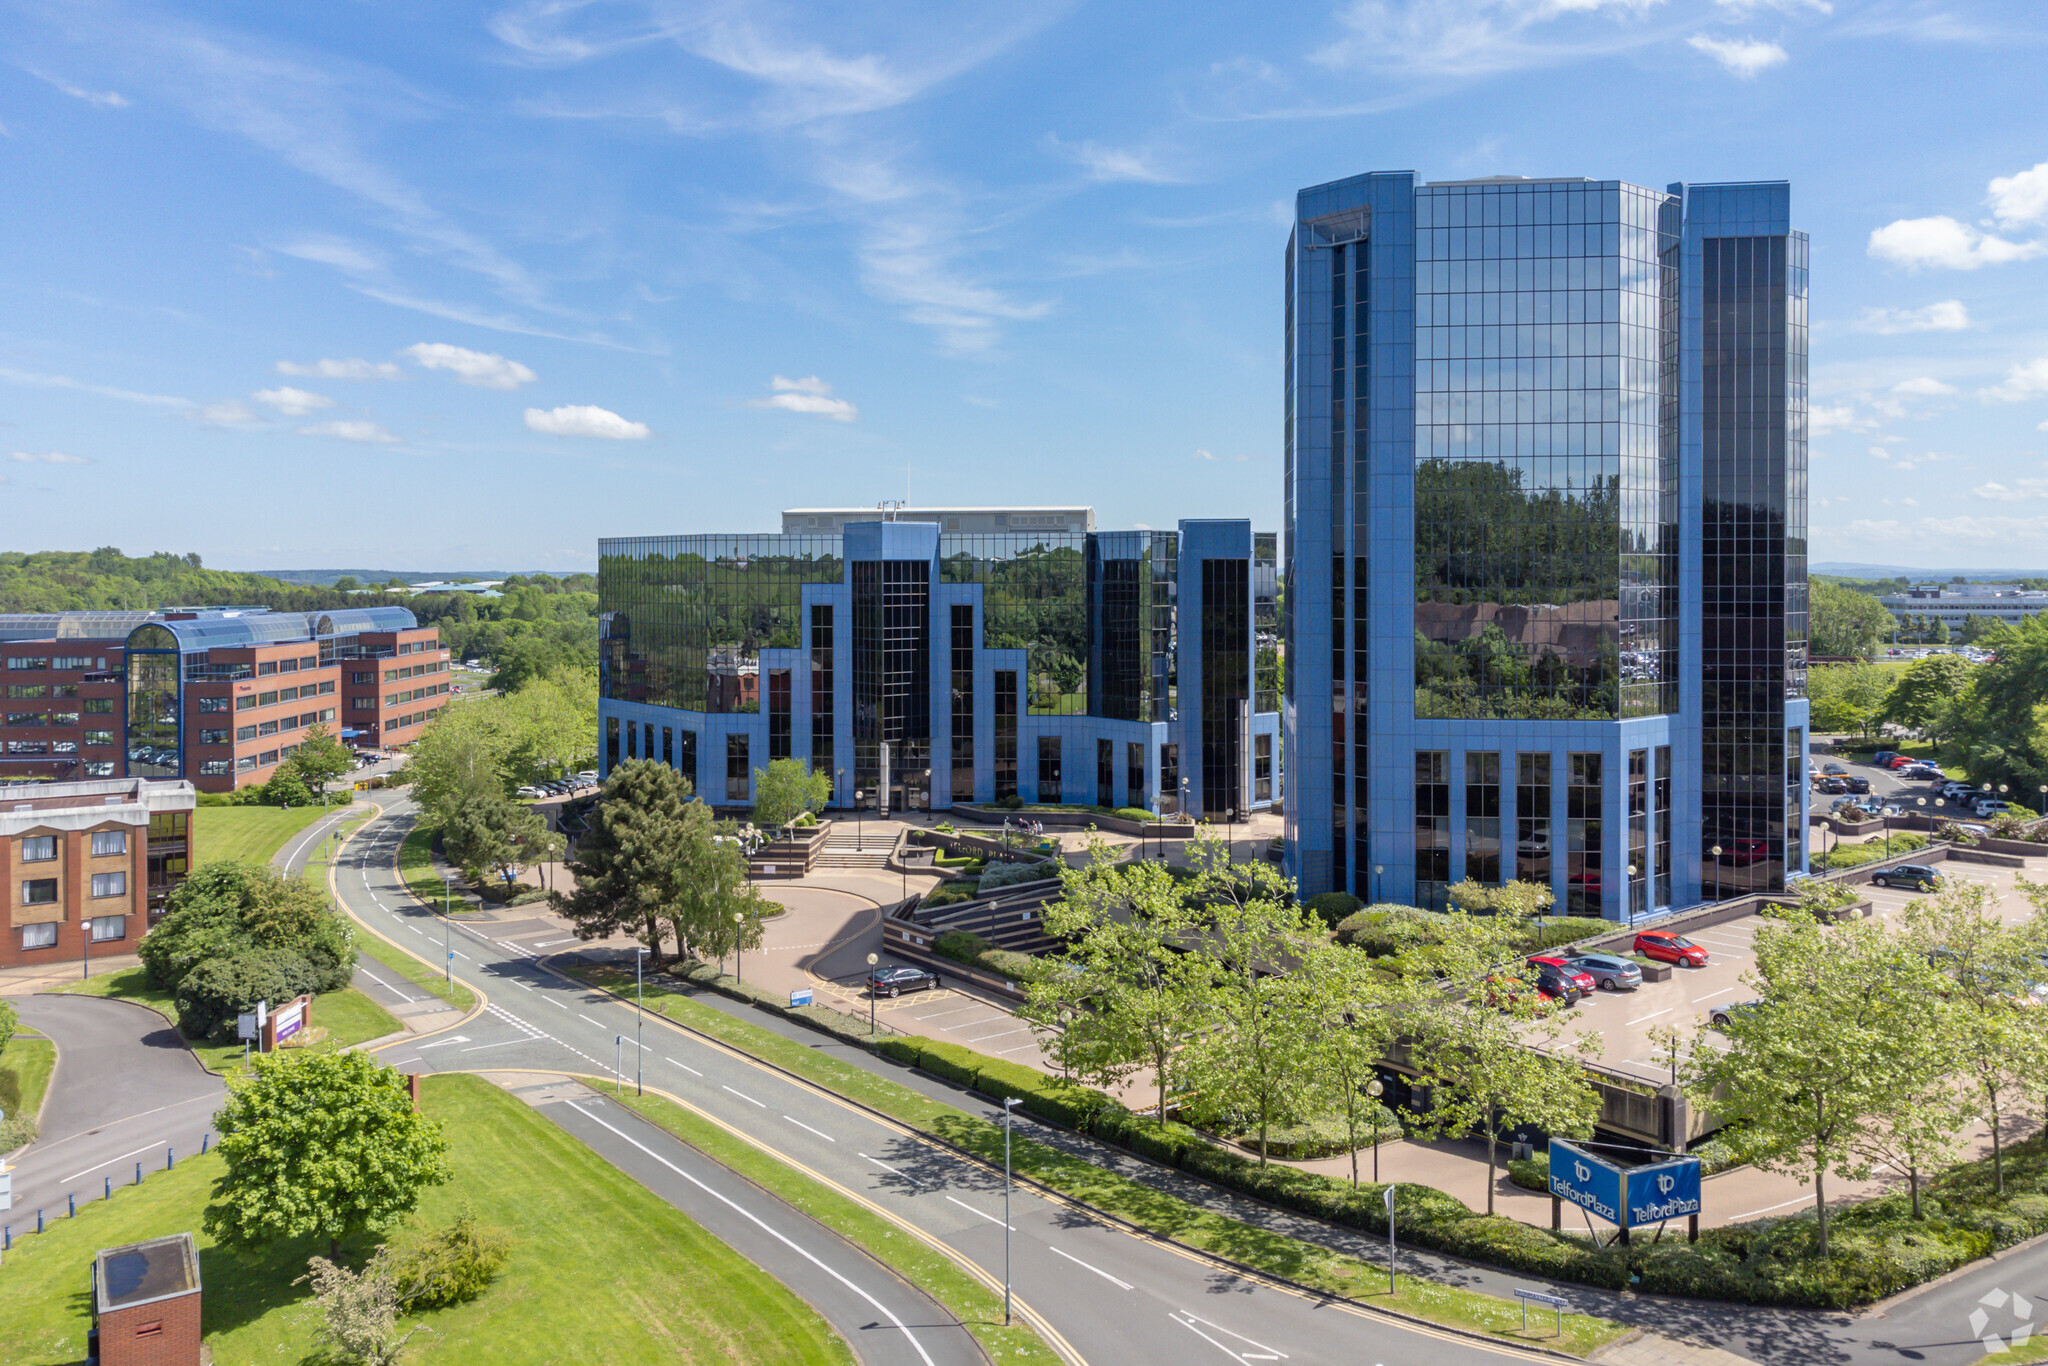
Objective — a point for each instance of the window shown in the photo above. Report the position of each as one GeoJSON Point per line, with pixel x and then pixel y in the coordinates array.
{"type": "Point", "coordinates": [38, 848]}
{"type": "Point", "coordinates": [1583, 836]}
{"type": "Point", "coordinates": [109, 884]}
{"type": "Point", "coordinates": [287, 666]}
{"type": "Point", "coordinates": [362, 704]}
{"type": "Point", "coordinates": [326, 713]}
{"type": "Point", "coordinates": [216, 768]}
{"type": "Point", "coordinates": [1638, 831]}
{"type": "Point", "coordinates": [104, 706]}
{"type": "Point", "coordinates": [27, 690]}
{"type": "Point", "coordinates": [1262, 768]}
{"type": "Point", "coordinates": [1134, 775]}
{"type": "Point", "coordinates": [63, 718]}
{"type": "Point", "coordinates": [213, 737]}
{"type": "Point", "coordinates": [1105, 772]}
{"type": "Point", "coordinates": [27, 718]}
{"type": "Point", "coordinates": [266, 668]}
{"type": "Point", "coordinates": [325, 688]}
{"type": "Point", "coordinates": [362, 677]}
{"type": "Point", "coordinates": [64, 690]}
{"type": "Point", "coordinates": [245, 764]}
{"type": "Point", "coordinates": [99, 768]}
{"type": "Point", "coordinates": [266, 758]}
{"type": "Point", "coordinates": [105, 842]}
{"type": "Point", "coordinates": [1005, 734]}
{"type": "Point", "coordinates": [247, 703]}
{"type": "Point", "coordinates": [1532, 817]}
{"type": "Point", "coordinates": [736, 774]}
{"type": "Point", "coordinates": [27, 662]}
{"type": "Point", "coordinates": [245, 732]}
{"type": "Point", "coordinates": [961, 654]}
{"type": "Point", "coordinates": [106, 737]}
{"type": "Point", "coordinates": [1432, 828]}
{"type": "Point", "coordinates": [309, 661]}
{"type": "Point", "coordinates": [1482, 816]}
{"type": "Point", "coordinates": [75, 662]}
{"type": "Point", "coordinates": [1662, 806]}
{"type": "Point", "coordinates": [1169, 778]}
{"type": "Point", "coordinates": [611, 743]}
{"type": "Point", "coordinates": [391, 675]}
{"type": "Point", "coordinates": [1049, 778]}
{"type": "Point", "coordinates": [64, 747]}
{"type": "Point", "coordinates": [266, 699]}
{"type": "Point", "coordinates": [288, 695]}
{"type": "Point", "coordinates": [267, 728]}
{"type": "Point", "coordinates": [39, 891]}
{"type": "Point", "coordinates": [105, 927]}
{"type": "Point", "coordinates": [42, 936]}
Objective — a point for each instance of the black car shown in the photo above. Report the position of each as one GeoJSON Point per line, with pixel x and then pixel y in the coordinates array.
{"type": "Point", "coordinates": [1553, 982]}
{"type": "Point", "coordinates": [1833, 787]}
{"type": "Point", "coordinates": [1915, 876]}
{"type": "Point", "coordinates": [1856, 785]}
{"type": "Point", "coordinates": [896, 981]}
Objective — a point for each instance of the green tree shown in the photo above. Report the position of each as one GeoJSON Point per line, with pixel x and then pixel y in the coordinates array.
{"type": "Point", "coordinates": [1356, 1006]}
{"type": "Point", "coordinates": [227, 908]}
{"type": "Point", "coordinates": [786, 789]}
{"type": "Point", "coordinates": [702, 882]}
{"type": "Point", "coordinates": [1999, 723]}
{"type": "Point", "coordinates": [326, 1144]}
{"type": "Point", "coordinates": [1922, 698]}
{"type": "Point", "coordinates": [287, 788]}
{"type": "Point", "coordinates": [1843, 622]}
{"type": "Point", "coordinates": [1520, 899]}
{"type": "Point", "coordinates": [1126, 983]}
{"type": "Point", "coordinates": [1794, 1081]}
{"type": "Point", "coordinates": [489, 834]}
{"type": "Point", "coordinates": [320, 759]}
{"type": "Point", "coordinates": [346, 584]}
{"type": "Point", "coordinates": [1974, 628]}
{"type": "Point", "coordinates": [218, 989]}
{"type": "Point", "coordinates": [1941, 631]}
{"type": "Point", "coordinates": [454, 761]}
{"type": "Point", "coordinates": [1847, 698]}
{"type": "Point", "coordinates": [359, 1310]}
{"type": "Point", "coordinates": [620, 863]}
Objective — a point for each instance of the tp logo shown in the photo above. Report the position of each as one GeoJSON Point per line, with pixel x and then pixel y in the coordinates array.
{"type": "Point", "coordinates": [1582, 1171]}
{"type": "Point", "coordinates": [1665, 1183]}
{"type": "Point", "coordinates": [2022, 1311]}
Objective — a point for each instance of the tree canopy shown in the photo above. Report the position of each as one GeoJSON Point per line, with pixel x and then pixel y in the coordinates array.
{"type": "Point", "coordinates": [1842, 622]}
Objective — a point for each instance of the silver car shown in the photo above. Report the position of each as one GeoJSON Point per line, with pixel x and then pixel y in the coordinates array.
{"type": "Point", "coordinates": [1609, 972]}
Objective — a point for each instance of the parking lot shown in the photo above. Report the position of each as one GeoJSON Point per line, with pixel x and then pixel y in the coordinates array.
{"type": "Point", "coordinates": [943, 1013]}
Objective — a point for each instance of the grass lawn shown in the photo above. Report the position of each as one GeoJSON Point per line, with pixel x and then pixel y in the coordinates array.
{"type": "Point", "coordinates": [416, 867]}
{"type": "Point", "coordinates": [1163, 1214]}
{"type": "Point", "coordinates": [426, 977]}
{"type": "Point", "coordinates": [322, 856]}
{"type": "Point", "coordinates": [25, 1069]}
{"type": "Point", "coordinates": [596, 1259]}
{"type": "Point", "coordinates": [347, 1015]}
{"type": "Point", "coordinates": [253, 833]}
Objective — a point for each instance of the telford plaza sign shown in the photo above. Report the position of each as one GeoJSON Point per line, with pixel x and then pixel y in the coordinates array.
{"type": "Point", "coordinates": [1627, 1197]}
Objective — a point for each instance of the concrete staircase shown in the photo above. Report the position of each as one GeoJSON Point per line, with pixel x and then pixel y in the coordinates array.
{"type": "Point", "coordinates": [846, 847]}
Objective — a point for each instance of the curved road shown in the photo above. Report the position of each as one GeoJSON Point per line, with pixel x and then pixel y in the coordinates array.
{"type": "Point", "coordinates": [1099, 1293]}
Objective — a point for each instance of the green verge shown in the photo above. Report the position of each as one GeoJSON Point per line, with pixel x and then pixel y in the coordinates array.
{"type": "Point", "coordinates": [595, 1258]}
{"type": "Point", "coordinates": [347, 1015]}
{"type": "Point", "coordinates": [253, 833]}
{"type": "Point", "coordinates": [320, 859]}
{"type": "Point", "coordinates": [424, 976]}
{"type": "Point", "coordinates": [416, 870]}
{"type": "Point", "coordinates": [25, 1074]}
{"type": "Point", "coordinates": [1156, 1212]}
{"type": "Point", "coordinates": [979, 1309]}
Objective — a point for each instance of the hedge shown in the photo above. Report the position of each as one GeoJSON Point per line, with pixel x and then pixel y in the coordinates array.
{"type": "Point", "coordinates": [1332, 907]}
{"type": "Point", "coordinates": [950, 893]}
{"type": "Point", "coordinates": [1856, 855]}
{"type": "Point", "coordinates": [851, 1029]}
{"type": "Point", "coordinates": [1011, 874]}
{"type": "Point", "coordinates": [965, 946]}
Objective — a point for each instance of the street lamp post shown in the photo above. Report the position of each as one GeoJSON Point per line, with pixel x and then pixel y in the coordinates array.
{"type": "Point", "coordinates": [1388, 1196]}
{"type": "Point", "coordinates": [1374, 1088]}
{"type": "Point", "coordinates": [639, 1023]}
{"type": "Point", "coordinates": [1009, 1109]}
{"type": "Point", "coordinates": [618, 1064]}
{"type": "Point", "coordinates": [738, 917]}
{"type": "Point", "coordinates": [1377, 869]}
{"type": "Point", "coordinates": [872, 960]}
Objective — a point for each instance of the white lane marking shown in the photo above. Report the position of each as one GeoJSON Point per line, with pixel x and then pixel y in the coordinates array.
{"type": "Point", "coordinates": [984, 1038]}
{"type": "Point", "coordinates": [145, 1148]}
{"type": "Point", "coordinates": [1126, 1285]}
{"type": "Point", "coordinates": [1005, 1052]}
{"type": "Point", "coordinates": [754, 1219]}
{"type": "Point", "coordinates": [549, 943]}
{"type": "Point", "coordinates": [1802, 1200]}
{"type": "Point", "coordinates": [1264, 1353]}
{"type": "Point", "coordinates": [473, 1047]}
{"type": "Point", "coordinates": [990, 1217]}
{"type": "Point", "coordinates": [581, 1016]}
{"type": "Point", "coordinates": [415, 929]}
{"type": "Point", "coordinates": [889, 1169]}
{"type": "Point", "coordinates": [819, 1132]}
{"type": "Point", "coordinates": [522, 986]}
{"type": "Point", "coordinates": [941, 1014]}
{"type": "Point", "coordinates": [686, 1067]}
{"type": "Point", "coordinates": [551, 1001]}
{"type": "Point", "coordinates": [743, 1096]}
{"type": "Point", "coordinates": [384, 984]}
{"type": "Point", "coordinates": [463, 956]}
{"type": "Point", "coordinates": [1710, 995]}
{"type": "Point", "coordinates": [443, 1043]}
{"type": "Point", "coordinates": [1652, 1015]}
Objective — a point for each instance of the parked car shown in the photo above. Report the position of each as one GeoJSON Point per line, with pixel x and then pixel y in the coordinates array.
{"type": "Point", "coordinates": [896, 981]}
{"type": "Point", "coordinates": [1884, 757]}
{"type": "Point", "coordinates": [1990, 806]}
{"type": "Point", "coordinates": [1610, 972]}
{"type": "Point", "coordinates": [1834, 770]}
{"type": "Point", "coordinates": [1572, 972]}
{"type": "Point", "coordinates": [1855, 784]}
{"type": "Point", "coordinates": [1952, 789]}
{"type": "Point", "coordinates": [1831, 786]}
{"type": "Point", "coordinates": [1921, 773]}
{"type": "Point", "coordinates": [1917, 877]}
{"type": "Point", "coordinates": [1720, 1016]}
{"type": "Point", "coordinates": [1668, 947]}
{"type": "Point", "coordinates": [1844, 803]}
{"type": "Point", "coordinates": [531, 793]}
{"type": "Point", "coordinates": [1504, 990]}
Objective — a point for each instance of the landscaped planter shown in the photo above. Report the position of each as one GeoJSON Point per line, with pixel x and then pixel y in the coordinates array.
{"type": "Point", "coordinates": [1656, 972]}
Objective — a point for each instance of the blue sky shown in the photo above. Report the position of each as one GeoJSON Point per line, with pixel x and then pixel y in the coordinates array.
{"type": "Point", "coordinates": [448, 285]}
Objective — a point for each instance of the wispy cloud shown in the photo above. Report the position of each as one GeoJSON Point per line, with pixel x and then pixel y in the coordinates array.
{"type": "Point", "coordinates": [2023, 381]}
{"type": "Point", "coordinates": [291, 402]}
{"type": "Point", "coordinates": [2017, 491]}
{"type": "Point", "coordinates": [351, 430]}
{"type": "Point", "coordinates": [1467, 38]}
{"type": "Point", "coordinates": [350, 368]}
{"type": "Point", "coordinates": [1221, 459]}
{"type": "Point", "coordinates": [98, 99]}
{"type": "Point", "coordinates": [228, 413]}
{"type": "Point", "coordinates": [1925, 386]}
{"type": "Point", "coordinates": [585, 420]}
{"type": "Point", "coordinates": [1112, 163]}
{"type": "Point", "coordinates": [47, 458]}
{"type": "Point", "coordinates": [485, 369]}
{"type": "Point", "coordinates": [807, 395]}
{"type": "Point", "coordinates": [1743, 57]}
{"type": "Point", "coordinates": [1947, 316]}
{"type": "Point", "coordinates": [338, 252]}
{"type": "Point", "coordinates": [36, 381]}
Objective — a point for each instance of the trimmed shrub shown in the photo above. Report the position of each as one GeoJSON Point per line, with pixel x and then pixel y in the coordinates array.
{"type": "Point", "coordinates": [451, 1265]}
{"type": "Point", "coordinates": [1332, 907]}
{"type": "Point", "coordinates": [1385, 928]}
{"type": "Point", "coordinates": [1554, 930]}
{"type": "Point", "coordinates": [1013, 802]}
{"type": "Point", "coordinates": [1013, 874]}
{"type": "Point", "coordinates": [902, 1050]}
{"type": "Point", "coordinates": [1856, 855]}
{"type": "Point", "coordinates": [212, 994]}
{"type": "Point", "coordinates": [1530, 1173]}
{"type": "Point", "coordinates": [951, 893]}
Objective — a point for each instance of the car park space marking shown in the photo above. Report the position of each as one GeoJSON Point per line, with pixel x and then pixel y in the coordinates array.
{"type": "Point", "coordinates": [1710, 995]}
{"type": "Point", "coordinates": [1124, 1285]}
{"type": "Point", "coordinates": [819, 1132]}
{"type": "Point", "coordinates": [1005, 1052]}
{"type": "Point", "coordinates": [990, 1217]}
{"type": "Point", "coordinates": [984, 1038]}
{"type": "Point", "coordinates": [743, 1096]}
{"type": "Point", "coordinates": [1652, 1015]}
{"type": "Point", "coordinates": [1802, 1200]}
{"type": "Point", "coordinates": [935, 1015]}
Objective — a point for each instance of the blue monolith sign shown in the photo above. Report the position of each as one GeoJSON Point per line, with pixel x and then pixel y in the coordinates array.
{"type": "Point", "coordinates": [1627, 1197]}
{"type": "Point", "coordinates": [1591, 1183]}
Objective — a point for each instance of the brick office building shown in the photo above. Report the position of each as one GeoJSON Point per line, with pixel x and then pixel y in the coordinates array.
{"type": "Point", "coordinates": [217, 696]}
{"type": "Point", "coordinates": [84, 865]}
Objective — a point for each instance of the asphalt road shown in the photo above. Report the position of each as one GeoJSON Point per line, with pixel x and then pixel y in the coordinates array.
{"type": "Point", "coordinates": [126, 1090]}
{"type": "Point", "coordinates": [1104, 1294]}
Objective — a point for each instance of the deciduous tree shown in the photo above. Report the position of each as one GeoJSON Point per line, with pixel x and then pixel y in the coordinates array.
{"type": "Point", "coordinates": [786, 789]}
{"type": "Point", "coordinates": [320, 759]}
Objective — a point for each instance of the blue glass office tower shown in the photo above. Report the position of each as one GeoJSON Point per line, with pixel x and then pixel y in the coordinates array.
{"type": "Point", "coordinates": [1545, 551]}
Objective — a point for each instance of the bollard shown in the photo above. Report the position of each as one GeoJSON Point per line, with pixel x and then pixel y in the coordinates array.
{"type": "Point", "coordinates": [138, 1173]}
{"type": "Point", "coordinates": [170, 1157]}
{"type": "Point", "coordinates": [205, 1140]}
{"type": "Point", "coordinates": [7, 1239]}
{"type": "Point", "coordinates": [39, 1221]}
{"type": "Point", "coordinates": [110, 1189]}
{"type": "Point", "coordinates": [73, 1198]}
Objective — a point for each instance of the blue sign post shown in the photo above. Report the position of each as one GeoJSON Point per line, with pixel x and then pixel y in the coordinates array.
{"type": "Point", "coordinates": [800, 997]}
{"type": "Point", "coordinates": [1625, 1197]}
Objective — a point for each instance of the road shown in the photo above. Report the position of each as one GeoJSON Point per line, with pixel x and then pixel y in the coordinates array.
{"type": "Point", "coordinates": [126, 1090]}
{"type": "Point", "coordinates": [1100, 1293]}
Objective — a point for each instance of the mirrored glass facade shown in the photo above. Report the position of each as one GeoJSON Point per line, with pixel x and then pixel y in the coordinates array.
{"type": "Point", "coordinates": [1545, 498]}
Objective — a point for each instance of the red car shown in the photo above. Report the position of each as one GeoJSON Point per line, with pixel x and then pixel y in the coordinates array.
{"type": "Point", "coordinates": [1577, 976]}
{"type": "Point", "coordinates": [1898, 761]}
{"type": "Point", "coordinates": [1667, 947]}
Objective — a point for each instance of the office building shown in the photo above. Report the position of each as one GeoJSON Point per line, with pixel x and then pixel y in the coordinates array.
{"type": "Point", "coordinates": [1545, 549]}
{"type": "Point", "coordinates": [86, 866]}
{"type": "Point", "coordinates": [1071, 520]}
{"type": "Point", "coordinates": [1133, 668]}
{"type": "Point", "coordinates": [217, 696]}
{"type": "Point", "coordinates": [1956, 603]}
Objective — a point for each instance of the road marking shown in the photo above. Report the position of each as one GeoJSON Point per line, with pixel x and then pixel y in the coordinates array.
{"type": "Point", "coordinates": [1804, 1199]}
{"type": "Point", "coordinates": [553, 1002]}
{"type": "Point", "coordinates": [384, 984]}
{"type": "Point", "coordinates": [522, 986]}
{"type": "Point", "coordinates": [819, 1132]}
{"type": "Point", "coordinates": [1005, 1052]}
{"type": "Point", "coordinates": [686, 1067]}
{"type": "Point", "coordinates": [937, 1014]}
{"type": "Point", "coordinates": [473, 1047]}
{"type": "Point", "coordinates": [751, 1217]}
{"type": "Point", "coordinates": [1654, 1014]}
{"type": "Point", "coordinates": [972, 1210]}
{"type": "Point", "coordinates": [443, 1043]}
{"type": "Point", "coordinates": [984, 1038]}
{"type": "Point", "coordinates": [1710, 996]}
{"type": "Point", "coordinates": [1265, 1353]}
{"type": "Point", "coordinates": [581, 1016]}
{"type": "Point", "coordinates": [1096, 1269]}
{"type": "Point", "coordinates": [145, 1148]}
{"type": "Point", "coordinates": [463, 956]}
{"type": "Point", "coordinates": [549, 943]}
{"type": "Point", "coordinates": [889, 1169]}
{"type": "Point", "coordinates": [743, 1096]}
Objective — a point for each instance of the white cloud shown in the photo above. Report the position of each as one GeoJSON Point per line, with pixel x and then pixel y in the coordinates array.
{"type": "Point", "coordinates": [1923, 387]}
{"type": "Point", "coordinates": [1745, 6]}
{"type": "Point", "coordinates": [584, 420]}
{"type": "Point", "coordinates": [1466, 38]}
{"type": "Point", "coordinates": [1112, 163]}
{"type": "Point", "coordinates": [2028, 380]}
{"type": "Point", "coordinates": [351, 368]}
{"type": "Point", "coordinates": [1947, 316]}
{"type": "Point", "coordinates": [1211, 455]}
{"type": "Point", "coordinates": [2020, 490]}
{"type": "Point", "coordinates": [1823, 418]}
{"type": "Point", "coordinates": [36, 381]}
{"type": "Point", "coordinates": [47, 458]}
{"type": "Point", "coordinates": [1943, 242]}
{"type": "Point", "coordinates": [807, 395]}
{"type": "Point", "coordinates": [338, 252]}
{"type": "Point", "coordinates": [485, 369]}
{"type": "Point", "coordinates": [350, 431]}
{"type": "Point", "coordinates": [292, 402]}
{"type": "Point", "coordinates": [1745, 57]}
{"type": "Point", "coordinates": [98, 99]}
{"type": "Point", "coordinates": [2043, 427]}
{"type": "Point", "coordinates": [2022, 198]}
{"type": "Point", "coordinates": [228, 414]}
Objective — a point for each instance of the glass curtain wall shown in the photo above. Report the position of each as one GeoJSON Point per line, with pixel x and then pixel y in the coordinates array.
{"type": "Point", "coordinates": [822, 697]}
{"type": "Point", "coordinates": [1482, 816]}
{"type": "Point", "coordinates": [891, 674]}
{"type": "Point", "coordinates": [1226, 645]}
{"type": "Point", "coordinates": [961, 650]}
{"type": "Point", "coordinates": [1004, 760]}
{"type": "Point", "coordinates": [1584, 837]}
{"type": "Point", "coordinates": [1432, 828]}
{"type": "Point", "coordinates": [154, 749]}
{"type": "Point", "coordinates": [1532, 817]}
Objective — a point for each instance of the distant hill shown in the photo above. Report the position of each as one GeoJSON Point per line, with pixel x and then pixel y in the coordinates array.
{"type": "Point", "coordinates": [1841, 569]}
{"type": "Point", "coordinates": [325, 578]}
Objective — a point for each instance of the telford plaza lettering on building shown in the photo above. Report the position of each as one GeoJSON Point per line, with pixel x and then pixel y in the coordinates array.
{"type": "Point", "coordinates": [1627, 1197]}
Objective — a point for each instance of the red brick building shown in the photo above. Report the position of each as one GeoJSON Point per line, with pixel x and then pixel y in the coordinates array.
{"type": "Point", "coordinates": [85, 866]}
{"type": "Point", "coordinates": [217, 696]}
{"type": "Point", "coordinates": [146, 1304]}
